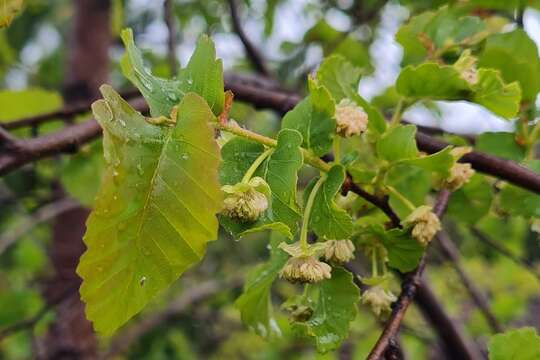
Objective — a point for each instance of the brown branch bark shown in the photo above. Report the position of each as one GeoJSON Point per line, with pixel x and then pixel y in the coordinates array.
{"type": "Point", "coordinates": [451, 252]}
{"type": "Point", "coordinates": [252, 53]}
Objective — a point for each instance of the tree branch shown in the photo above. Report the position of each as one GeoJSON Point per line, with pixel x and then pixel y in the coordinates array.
{"type": "Point", "coordinates": [252, 53]}
{"type": "Point", "coordinates": [450, 250]}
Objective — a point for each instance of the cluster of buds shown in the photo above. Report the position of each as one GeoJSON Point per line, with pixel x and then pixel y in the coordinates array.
{"type": "Point", "coordinates": [466, 65]}
{"type": "Point", "coordinates": [351, 119]}
{"type": "Point", "coordinates": [379, 299]}
{"type": "Point", "coordinates": [339, 251]}
{"type": "Point", "coordinates": [303, 266]}
{"type": "Point", "coordinates": [460, 173]}
{"type": "Point", "coordinates": [425, 224]}
{"type": "Point", "coordinates": [246, 202]}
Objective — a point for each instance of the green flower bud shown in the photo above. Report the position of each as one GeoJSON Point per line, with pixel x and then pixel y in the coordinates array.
{"type": "Point", "coordinates": [305, 269]}
{"type": "Point", "coordinates": [245, 202]}
{"type": "Point", "coordinates": [425, 224]}
{"type": "Point", "coordinates": [351, 119]}
{"type": "Point", "coordinates": [339, 251]}
{"type": "Point", "coordinates": [379, 299]}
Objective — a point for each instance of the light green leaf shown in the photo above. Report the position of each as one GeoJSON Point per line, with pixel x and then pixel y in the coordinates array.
{"type": "Point", "coordinates": [439, 162]}
{"type": "Point", "coordinates": [334, 311]}
{"type": "Point", "coordinates": [398, 143]}
{"type": "Point", "coordinates": [341, 79]}
{"type": "Point", "coordinates": [255, 304]}
{"type": "Point", "coordinates": [515, 344]}
{"type": "Point", "coordinates": [328, 220]}
{"type": "Point", "coordinates": [515, 54]}
{"type": "Point", "coordinates": [502, 144]}
{"type": "Point", "coordinates": [492, 93]}
{"type": "Point", "coordinates": [413, 182]}
{"type": "Point", "coordinates": [8, 10]}
{"type": "Point", "coordinates": [28, 102]}
{"type": "Point", "coordinates": [432, 81]}
{"type": "Point", "coordinates": [155, 210]}
{"type": "Point", "coordinates": [203, 75]}
{"type": "Point", "coordinates": [81, 173]}
{"type": "Point", "coordinates": [313, 117]}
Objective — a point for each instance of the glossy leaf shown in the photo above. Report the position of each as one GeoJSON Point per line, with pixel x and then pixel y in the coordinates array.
{"type": "Point", "coordinates": [313, 117]}
{"type": "Point", "coordinates": [328, 220]}
{"type": "Point", "coordinates": [439, 162]}
{"type": "Point", "coordinates": [518, 344]}
{"type": "Point", "coordinates": [492, 93]}
{"type": "Point", "coordinates": [202, 75]}
{"type": "Point", "coordinates": [255, 304]}
{"type": "Point", "coordinates": [334, 311]}
{"type": "Point", "coordinates": [155, 210]}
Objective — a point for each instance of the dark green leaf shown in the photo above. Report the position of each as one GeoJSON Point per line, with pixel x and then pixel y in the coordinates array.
{"type": "Point", "coordinates": [501, 144]}
{"type": "Point", "coordinates": [472, 201]}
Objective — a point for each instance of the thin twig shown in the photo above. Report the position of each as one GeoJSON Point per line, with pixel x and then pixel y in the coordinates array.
{"type": "Point", "coordinates": [451, 252]}
{"type": "Point", "coordinates": [168, 15]}
{"type": "Point", "coordinates": [503, 250]}
{"type": "Point", "coordinates": [252, 53]}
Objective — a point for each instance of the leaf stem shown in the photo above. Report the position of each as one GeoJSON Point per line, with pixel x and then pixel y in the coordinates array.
{"type": "Point", "coordinates": [309, 158]}
{"type": "Point", "coordinates": [401, 198]}
{"type": "Point", "coordinates": [307, 212]}
{"type": "Point", "coordinates": [249, 173]}
{"type": "Point", "coordinates": [396, 118]}
{"type": "Point", "coordinates": [337, 149]}
{"type": "Point", "coordinates": [374, 271]}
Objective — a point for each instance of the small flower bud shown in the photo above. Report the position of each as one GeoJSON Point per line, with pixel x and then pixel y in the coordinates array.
{"type": "Point", "coordinates": [351, 119]}
{"type": "Point", "coordinates": [339, 251]}
{"type": "Point", "coordinates": [466, 65]}
{"type": "Point", "coordinates": [460, 174]}
{"type": "Point", "coordinates": [243, 202]}
{"type": "Point", "coordinates": [379, 299]}
{"type": "Point", "coordinates": [425, 224]}
{"type": "Point", "coordinates": [305, 269]}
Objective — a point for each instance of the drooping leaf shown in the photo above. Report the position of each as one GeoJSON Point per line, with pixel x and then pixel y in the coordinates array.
{"type": "Point", "coordinates": [334, 311]}
{"type": "Point", "coordinates": [155, 210]}
{"type": "Point", "coordinates": [255, 304]}
{"type": "Point", "coordinates": [398, 143]}
{"type": "Point", "coordinates": [502, 144]}
{"type": "Point", "coordinates": [518, 344]}
{"type": "Point", "coordinates": [82, 172]}
{"type": "Point", "coordinates": [8, 10]}
{"type": "Point", "coordinates": [472, 201]}
{"type": "Point", "coordinates": [313, 117]}
{"type": "Point", "coordinates": [341, 79]}
{"type": "Point", "coordinates": [203, 75]}
{"type": "Point", "coordinates": [515, 55]}
{"type": "Point", "coordinates": [328, 220]}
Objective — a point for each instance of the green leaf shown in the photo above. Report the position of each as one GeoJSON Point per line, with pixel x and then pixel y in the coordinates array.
{"type": "Point", "coordinates": [313, 117]}
{"type": "Point", "coordinates": [491, 92]}
{"type": "Point", "coordinates": [398, 143]}
{"type": "Point", "coordinates": [438, 30]}
{"type": "Point", "coordinates": [341, 79]}
{"type": "Point", "coordinates": [155, 210]}
{"type": "Point", "coordinates": [432, 81]}
{"type": "Point", "coordinates": [81, 173]}
{"type": "Point", "coordinates": [255, 304]}
{"type": "Point", "coordinates": [439, 162]}
{"type": "Point", "coordinates": [518, 344]}
{"type": "Point", "coordinates": [413, 182]}
{"type": "Point", "coordinates": [8, 10]}
{"type": "Point", "coordinates": [328, 220]}
{"type": "Point", "coordinates": [334, 311]}
{"type": "Point", "coordinates": [472, 201]}
{"type": "Point", "coordinates": [280, 172]}
{"type": "Point", "coordinates": [502, 144]}
{"type": "Point", "coordinates": [203, 75]}
{"type": "Point", "coordinates": [517, 201]}
{"type": "Point", "coordinates": [28, 102]}
{"type": "Point", "coordinates": [515, 54]}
